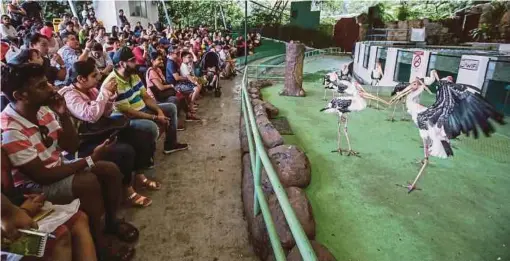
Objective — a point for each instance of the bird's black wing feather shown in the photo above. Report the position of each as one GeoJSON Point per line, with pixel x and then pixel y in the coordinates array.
{"type": "Point", "coordinates": [458, 111]}
{"type": "Point", "coordinates": [340, 87]}
{"type": "Point", "coordinates": [341, 105]}
{"type": "Point", "coordinates": [399, 87]}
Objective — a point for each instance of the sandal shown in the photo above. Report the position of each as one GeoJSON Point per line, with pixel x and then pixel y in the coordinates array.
{"type": "Point", "coordinates": [115, 253]}
{"type": "Point", "coordinates": [138, 200]}
{"type": "Point", "coordinates": [124, 231]}
{"type": "Point", "coordinates": [150, 184]}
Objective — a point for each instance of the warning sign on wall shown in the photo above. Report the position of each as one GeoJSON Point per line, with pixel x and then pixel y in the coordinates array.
{"type": "Point", "coordinates": [417, 57]}
{"type": "Point", "coordinates": [419, 64]}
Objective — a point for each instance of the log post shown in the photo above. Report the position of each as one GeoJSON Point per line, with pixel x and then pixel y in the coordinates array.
{"type": "Point", "coordinates": [295, 56]}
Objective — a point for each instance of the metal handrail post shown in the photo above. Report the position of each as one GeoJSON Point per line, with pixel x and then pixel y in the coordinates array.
{"type": "Point", "coordinates": [248, 130]}
{"type": "Point", "coordinates": [271, 229]}
{"type": "Point", "coordinates": [302, 242]}
{"type": "Point", "coordinates": [256, 182]}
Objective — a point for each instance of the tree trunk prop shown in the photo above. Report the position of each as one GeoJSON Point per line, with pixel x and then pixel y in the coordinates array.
{"type": "Point", "coordinates": [294, 70]}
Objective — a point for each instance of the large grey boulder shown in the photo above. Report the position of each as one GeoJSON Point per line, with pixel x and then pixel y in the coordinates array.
{"type": "Point", "coordinates": [299, 202]}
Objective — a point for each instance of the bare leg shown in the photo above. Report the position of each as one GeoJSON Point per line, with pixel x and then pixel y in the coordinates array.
{"type": "Point", "coordinates": [350, 151]}
{"type": "Point", "coordinates": [62, 250]}
{"type": "Point", "coordinates": [83, 245]}
{"type": "Point", "coordinates": [425, 162]}
{"type": "Point", "coordinates": [325, 91]}
{"type": "Point", "coordinates": [87, 188]}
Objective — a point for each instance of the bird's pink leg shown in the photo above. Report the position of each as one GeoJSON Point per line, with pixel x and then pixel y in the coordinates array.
{"type": "Point", "coordinates": [393, 114]}
{"type": "Point", "coordinates": [339, 135]}
{"type": "Point", "coordinates": [350, 151]}
{"type": "Point", "coordinates": [377, 94]}
{"type": "Point", "coordinates": [404, 118]}
{"type": "Point", "coordinates": [425, 162]}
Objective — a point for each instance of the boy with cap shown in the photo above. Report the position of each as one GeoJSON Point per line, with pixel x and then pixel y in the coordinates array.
{"type": "Point", "coordinates": [134, 102]}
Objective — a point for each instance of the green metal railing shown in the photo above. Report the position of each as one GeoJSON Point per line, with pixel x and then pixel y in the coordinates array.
{"type": "Point", "coordinates": [259, 159]}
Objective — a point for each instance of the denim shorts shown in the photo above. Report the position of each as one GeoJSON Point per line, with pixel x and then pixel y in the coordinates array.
{"type": "Point", "coordinates": [185, 87]}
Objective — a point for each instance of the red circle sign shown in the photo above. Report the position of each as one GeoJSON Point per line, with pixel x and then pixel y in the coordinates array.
{"type": "Point", "coordinates": [417, 61]}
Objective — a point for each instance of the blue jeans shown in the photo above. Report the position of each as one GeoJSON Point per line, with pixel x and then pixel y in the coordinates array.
{"type": "Point", "coordinates": [170, 111]}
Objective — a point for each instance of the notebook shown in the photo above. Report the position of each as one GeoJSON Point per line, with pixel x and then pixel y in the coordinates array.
{"type": "Point", "coordinates": [31, 243]}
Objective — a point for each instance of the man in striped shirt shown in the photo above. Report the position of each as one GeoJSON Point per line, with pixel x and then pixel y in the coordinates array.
{"type": "Point", "coordinates": [34, 139]}
{"type": "Point", "coordinates": [134, 102]}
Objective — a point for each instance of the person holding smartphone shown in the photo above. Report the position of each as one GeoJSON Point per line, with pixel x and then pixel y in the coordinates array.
{"type": "Point", "coordinates": [131, 153]}
{"type": "Point", "coordinates": [39, 112]}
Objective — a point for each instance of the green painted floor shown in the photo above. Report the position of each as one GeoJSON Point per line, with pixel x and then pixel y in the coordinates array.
{"type": "Point", "coordinates": [461, 213]}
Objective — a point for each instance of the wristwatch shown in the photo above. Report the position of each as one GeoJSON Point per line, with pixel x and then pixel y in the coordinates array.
{"type": "Point", "coordinates": [90, 162]}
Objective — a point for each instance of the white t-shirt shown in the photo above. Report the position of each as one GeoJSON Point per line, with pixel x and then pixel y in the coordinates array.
{"type": "Point", "coordinates": [7, 31]}
{"type": "Point", "coordinates": [185, 70]}
{"type": "Point", "coordinates": [223, 55]}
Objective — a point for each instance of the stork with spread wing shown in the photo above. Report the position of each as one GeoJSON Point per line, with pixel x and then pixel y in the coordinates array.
{"type": "Point", "coordinates": [456, 110]}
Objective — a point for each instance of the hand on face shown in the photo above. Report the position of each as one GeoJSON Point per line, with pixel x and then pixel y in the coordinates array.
{"type": "Point", "coordinates": [57, 104]}
{"type": "Point", "coordinates": [111, 86]}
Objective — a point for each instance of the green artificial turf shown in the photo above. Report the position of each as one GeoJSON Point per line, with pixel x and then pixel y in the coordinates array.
{"type": "Point", "coordinates": [461, 213]}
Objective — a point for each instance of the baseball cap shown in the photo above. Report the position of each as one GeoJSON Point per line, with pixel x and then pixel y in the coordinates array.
{"type": "Point", "coordinates": [22, 57]}
{"type": "Point", "coordinates": [164, 41]}
{"type": "Point", "coordinates": [47, 31]}
{"type": "Point", "coordinates": [123, 55]}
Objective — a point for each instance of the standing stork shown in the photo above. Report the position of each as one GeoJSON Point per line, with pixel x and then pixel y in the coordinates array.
{"type": "Point", "coordinates": [456, 110]}
{"type": "Point", "coordinates": [346, 104]}
{"type": "Point", "coordinates": [376, 75]}
{"type": "Point", "coordinates": [332, 82]}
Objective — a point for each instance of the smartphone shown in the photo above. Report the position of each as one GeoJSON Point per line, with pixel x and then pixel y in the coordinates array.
{"type": "Point", "coordinates": [113, 136]}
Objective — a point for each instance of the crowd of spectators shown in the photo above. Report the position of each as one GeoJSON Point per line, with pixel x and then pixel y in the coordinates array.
{"type": "Point", "coordinates": [78, 107]}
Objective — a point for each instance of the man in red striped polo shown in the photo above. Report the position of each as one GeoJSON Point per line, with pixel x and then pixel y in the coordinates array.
{"type": "Point", "coordinates": [34, 140]}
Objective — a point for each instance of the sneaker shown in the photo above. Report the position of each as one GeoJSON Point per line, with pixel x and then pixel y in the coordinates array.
{"type": "Point", "coordinates": [180, 127]}
{"type": "Point", "coordinates": [177, 147]}
{"type": "Point", "coordinates": [192, 118]}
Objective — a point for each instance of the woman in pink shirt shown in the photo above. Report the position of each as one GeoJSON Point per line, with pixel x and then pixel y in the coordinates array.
{"type": "Point", "coordinates": [131, 153]}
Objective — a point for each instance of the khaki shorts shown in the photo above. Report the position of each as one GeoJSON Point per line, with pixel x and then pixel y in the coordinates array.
{"type": "Point", "coordinates": [60, 191]}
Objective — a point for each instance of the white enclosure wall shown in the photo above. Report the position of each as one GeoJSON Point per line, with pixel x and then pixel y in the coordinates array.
{"type": "Point", "coordinates": [389, 67]}
{"type": "Point", "coordinates": [135, 11]}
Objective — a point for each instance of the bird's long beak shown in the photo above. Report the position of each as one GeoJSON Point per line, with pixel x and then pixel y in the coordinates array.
{"type": "Point", "coordinates": [435, 75]}
{"type": "Point", "coordinates": [401, 94]}
{"type": "Point", "coordinates": [323, 109]}
{"type": "Point", "coordinates": [426, 87]}
{"type": "Point", "coordinates": [375, 98]}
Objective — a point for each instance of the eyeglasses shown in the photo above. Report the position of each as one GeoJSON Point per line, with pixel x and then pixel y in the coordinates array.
{"type": "Point", "coordinates": [47, 140]}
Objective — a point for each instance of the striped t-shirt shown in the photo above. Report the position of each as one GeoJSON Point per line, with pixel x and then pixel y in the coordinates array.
{"type": "Point", "coordinates": [22, 141]}
{"type": "Point", "coordinates": [129, 93]}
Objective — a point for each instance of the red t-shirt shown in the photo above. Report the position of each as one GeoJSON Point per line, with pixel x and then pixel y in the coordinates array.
{"type": "Point", "coordinates": [138, 52]}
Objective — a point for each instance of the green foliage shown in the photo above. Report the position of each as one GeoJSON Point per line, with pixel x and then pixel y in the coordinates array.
{"type": "Point", "coordinates": [54, 9]}
{"type": "Point", "coordinates": [195, 13]}
{"type": "Point", "coordinates": [481, 33]}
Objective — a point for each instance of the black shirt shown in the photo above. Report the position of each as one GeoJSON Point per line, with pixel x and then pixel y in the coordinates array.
{"type": "Point", "coordinates": [123, 20]}
{"type": "Point", "coordinates": [51, 72]}
{"type": "Point", "coordinates": [33, 9]}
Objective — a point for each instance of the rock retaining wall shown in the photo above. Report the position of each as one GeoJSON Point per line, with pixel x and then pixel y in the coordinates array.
{"type": "Point", "coordinates": [294, 172]}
